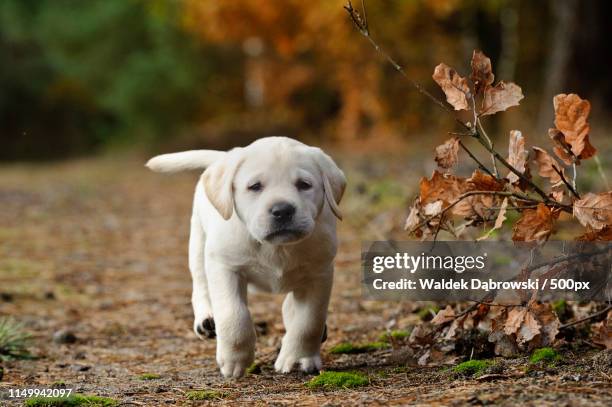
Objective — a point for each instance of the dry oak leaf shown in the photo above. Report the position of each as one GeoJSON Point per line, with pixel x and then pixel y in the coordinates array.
{"type": "Point", "coordinates": [594, 210]}
{"type": "Point", "coordinates": [562, 150]}
{"type": "Point", "coordinates": [447, 153]}
{"type": "Point", "coordinates": [447, 188]}
{"type": "Point", "coordinates": [482, 72]}
{"type": "Point", "coordinates": [571, 114]}
{"type": "Point", "coordinates": [500, 97]}
{"type": "Point", "coordinates": [603, 235]}
{"type": "Point", "coordinates": [443, 316]}
{"type": "Point", "coordinates": [484, 182]}
{"type": "Point", "coordinates": [535, 225]}
{"type": "Point", "coordinates": [546, 166]}
{"type": "Point", "coordinates": [454, 86]}
{"type": "Point", "coordinates": [548, 320]}
{"type": "Point", "coordinates": [517, 155]}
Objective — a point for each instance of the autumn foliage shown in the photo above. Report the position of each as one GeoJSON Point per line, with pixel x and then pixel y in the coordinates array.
{"type": "Point", "coordinates": [454, 203]}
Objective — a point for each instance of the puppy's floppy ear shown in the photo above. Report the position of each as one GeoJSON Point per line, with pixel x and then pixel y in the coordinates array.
{"type": "Point", "coordinates": [218, 182]}
{"type": "Point", "coordinates": [334, 181]}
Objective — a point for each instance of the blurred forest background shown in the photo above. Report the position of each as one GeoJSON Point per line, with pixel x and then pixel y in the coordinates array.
{"type": "Point", "coordinates": [78, 77]}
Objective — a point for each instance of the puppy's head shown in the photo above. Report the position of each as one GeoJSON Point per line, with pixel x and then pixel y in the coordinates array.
{"type": "Point", "coordinates": [277, 187]}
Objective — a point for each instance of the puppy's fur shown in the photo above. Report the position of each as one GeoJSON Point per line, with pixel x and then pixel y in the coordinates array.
{"type": "Point", "coordinates": [264, 217]}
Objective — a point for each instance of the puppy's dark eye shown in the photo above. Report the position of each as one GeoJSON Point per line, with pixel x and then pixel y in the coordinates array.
{"type": "Point", "coordinates": [255, 187]}
{"type": "Point", "coordinates": [303, 185]}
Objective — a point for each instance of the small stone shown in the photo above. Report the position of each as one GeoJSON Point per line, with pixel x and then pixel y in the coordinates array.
{"type": "Point", "coordinates": [6, 297]}
{"type": "Point", "coordinates": [64, 336]}
{"type": "Point", "coordinates": [80, 368]}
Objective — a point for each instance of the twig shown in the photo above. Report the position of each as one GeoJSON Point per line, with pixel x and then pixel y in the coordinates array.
{"type": "Point", "coordinates": [567, 184]}
{"type": "Point", "coordinates": [587, 318]}
{"type": "Point", "coordinates": [484, 133]}
{"type": "Point", "coordinates": [473, 157]}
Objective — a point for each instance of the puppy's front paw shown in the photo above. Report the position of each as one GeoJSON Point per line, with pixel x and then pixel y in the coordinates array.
{"type": "Point", "coordinates": [309, 364]}
{"type": "Point", "coordinates": [234, 364]}
{"type": "Point", "coordinates": [204, 328]}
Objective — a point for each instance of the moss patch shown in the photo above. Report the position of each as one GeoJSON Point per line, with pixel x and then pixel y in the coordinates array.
{"type": "Point", "coordinates": [337, 380]}
{"type": "Point", "coordinates": [13, 340]}
{"type": "Point", "coordinates": [427, 313]}
{"type": "Point", "coordinates": [255, 368]}
{"type": "Point", "coordinates": [472, 367]}
{"type": "Point", "coordinates": [72, 401]}
{"type": "Point", "coordinates": [546, 355]}
{"type": "Point", "coordinates": [204, 395]}
{"type": "Point", "coordinates": [350, 348]}
{"type": "Point", "coordinates": [397, 335]}
{"type": "Point", "coordinates": [149, 376]}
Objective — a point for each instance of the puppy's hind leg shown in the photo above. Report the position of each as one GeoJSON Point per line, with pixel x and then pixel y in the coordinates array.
{"type": "Point", "coordinates": [203, 324]}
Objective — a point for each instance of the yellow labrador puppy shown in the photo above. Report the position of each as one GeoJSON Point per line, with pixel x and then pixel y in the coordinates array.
{"type": "Point", "coordinates": [264, 217]}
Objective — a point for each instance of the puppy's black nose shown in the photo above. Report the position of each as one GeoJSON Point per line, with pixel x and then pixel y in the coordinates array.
{"type": "Point", "coordinates": [282, 211]}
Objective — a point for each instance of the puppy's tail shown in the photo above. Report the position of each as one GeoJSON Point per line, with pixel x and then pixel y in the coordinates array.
{"type": "Point", "coordinates": [187, 160]}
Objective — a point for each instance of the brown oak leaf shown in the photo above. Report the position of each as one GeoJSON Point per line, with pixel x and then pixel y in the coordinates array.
{"type": "Point", "coordinates": [571, 114]}
{"type": "Point", "coordinates": [484, 182]}
{"type": "Point", "coordinates": [500, 97]}
{"type": "Point", "coordinates": [517, 155]}
{"type": "Point", "coordinates": [535, 225]}
{"type": "Point", "coordinates": [546, 166]}
{"type": "Point", "coordinates": [594, 210]}
{"type": "Point", "coordinates": [447, 188]}
{"type": "Point", "coordinates": [454, 86]}
{"type": "Point", "coordinates": [603, 235]}
{"type": "Point", "coordinates": [482, 72]}
{"type": "Point", "coordinates": [562, 150]}
{"type": "Point", "coordinates": [447, 153]}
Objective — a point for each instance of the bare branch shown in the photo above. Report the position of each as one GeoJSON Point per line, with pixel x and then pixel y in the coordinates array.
{"type": "Point", "coordinates": [587, 318]}
{"type": "Point", "coordinates": [567, 184]}
{"type": "Point", "coordinates": [473, 157]}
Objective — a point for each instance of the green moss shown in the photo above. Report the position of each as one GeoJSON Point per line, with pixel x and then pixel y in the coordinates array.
{"type": "Point", "coordinates": [547, 355]}
{"type": "Point", "coordinates": [427, 313]}
{"type": "Point", "coordinates": [337, 380]}
{"type": "Point", "coordinates": [472, 367]}
{"type": "Point", "coordinates": [13, 340]}
{"type": "Point", "coordinates": [350, 348]}
{"type": "Point", "coordinates": [72, 401]}
{"type": "Point", "coordinates": [397, 335]}
{"type": "Point", "coordinates": [205, 395]}
{"type": "Point", "coordinates": [149, 376]}
{"type": "Point", "coordinates": [255, 368]}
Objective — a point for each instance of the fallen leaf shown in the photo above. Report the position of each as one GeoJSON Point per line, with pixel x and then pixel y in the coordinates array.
{"type": "Point", "coordinates": [447, 153]}
{"type": "Point", "coordinates": [499, 221]}
{"type": "Point", "coordinates": [482, 72]}
{"type": "Point", "coordinates": [500, 97]}
{"type": "Point", "coordinates": [515, 320]}
{"type": "Point", "coordinates": [454, 86]}
{"type": "Point", "coordinates": [413, 218]}
{"type": "Point", "coordinates": [602, 332]}
{"type": "Point", "coordinates": [529, 329]}
{"type": "Point", "coordinates": [571, 115]}
{"type": "Point", "coordinates": [561, 148]}
{"type": "Point", "coordinates": [546, 166]}
{"type": "Point", "coordinates": [443, 316]}
{"type": "Point", "coordinates": [535, 225]}
{"type": "Point", "coordinates": [517, 155]}
{"type": "Point", "coordinates": [594, 210]}
{"type": "Point", "coordinates": [548, 320]}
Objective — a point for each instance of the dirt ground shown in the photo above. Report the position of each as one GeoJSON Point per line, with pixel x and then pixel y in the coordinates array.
{"type": "Point", "coordinates": [99, 247]}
